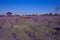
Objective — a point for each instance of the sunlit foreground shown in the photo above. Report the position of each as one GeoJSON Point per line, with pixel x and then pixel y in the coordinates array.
{"type": "Point", "coordinates": [35, 28]}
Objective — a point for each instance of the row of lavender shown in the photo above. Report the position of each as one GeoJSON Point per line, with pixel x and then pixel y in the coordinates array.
{"type": "Point", "coordinates": [34, 28]}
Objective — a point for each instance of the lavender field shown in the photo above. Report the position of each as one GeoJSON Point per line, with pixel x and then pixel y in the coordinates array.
{"type": "Point", "coordinates": [34, 28]}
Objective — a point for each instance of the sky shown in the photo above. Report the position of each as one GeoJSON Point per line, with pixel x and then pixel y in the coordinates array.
{"type": "Point", "coordinates": [26, 7]}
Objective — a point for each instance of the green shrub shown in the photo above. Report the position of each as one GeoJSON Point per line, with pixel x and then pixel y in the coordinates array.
{"type": "Point", "coordinates": [22, 27]}
{"type": "Point", "coordinates": [52, 31]}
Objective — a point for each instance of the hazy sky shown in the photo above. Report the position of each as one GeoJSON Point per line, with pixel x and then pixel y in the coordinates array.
{"type": "Point", "coordinates": [28, 6]}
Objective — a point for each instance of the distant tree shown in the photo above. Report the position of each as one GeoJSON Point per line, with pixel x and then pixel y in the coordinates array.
{"type": "Point", "coordinates": [45, 14]}
{"type": "Point", "coordinates": [17, 15]}
{"type": "Point", "coordinates": [57, 11]}
{"type": "Point", "coordinates": [33, 15]}
{"type": "Point", "coordinates": [29, 15]}
{"type": "Point", "coordinates": [2, 15]}
{"type": "Point", "coordinates": [50, 14]}
{"type": "Point", "coordinates": [9, 14]}
{"type": "Point", "coordinates": [56, 14]}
